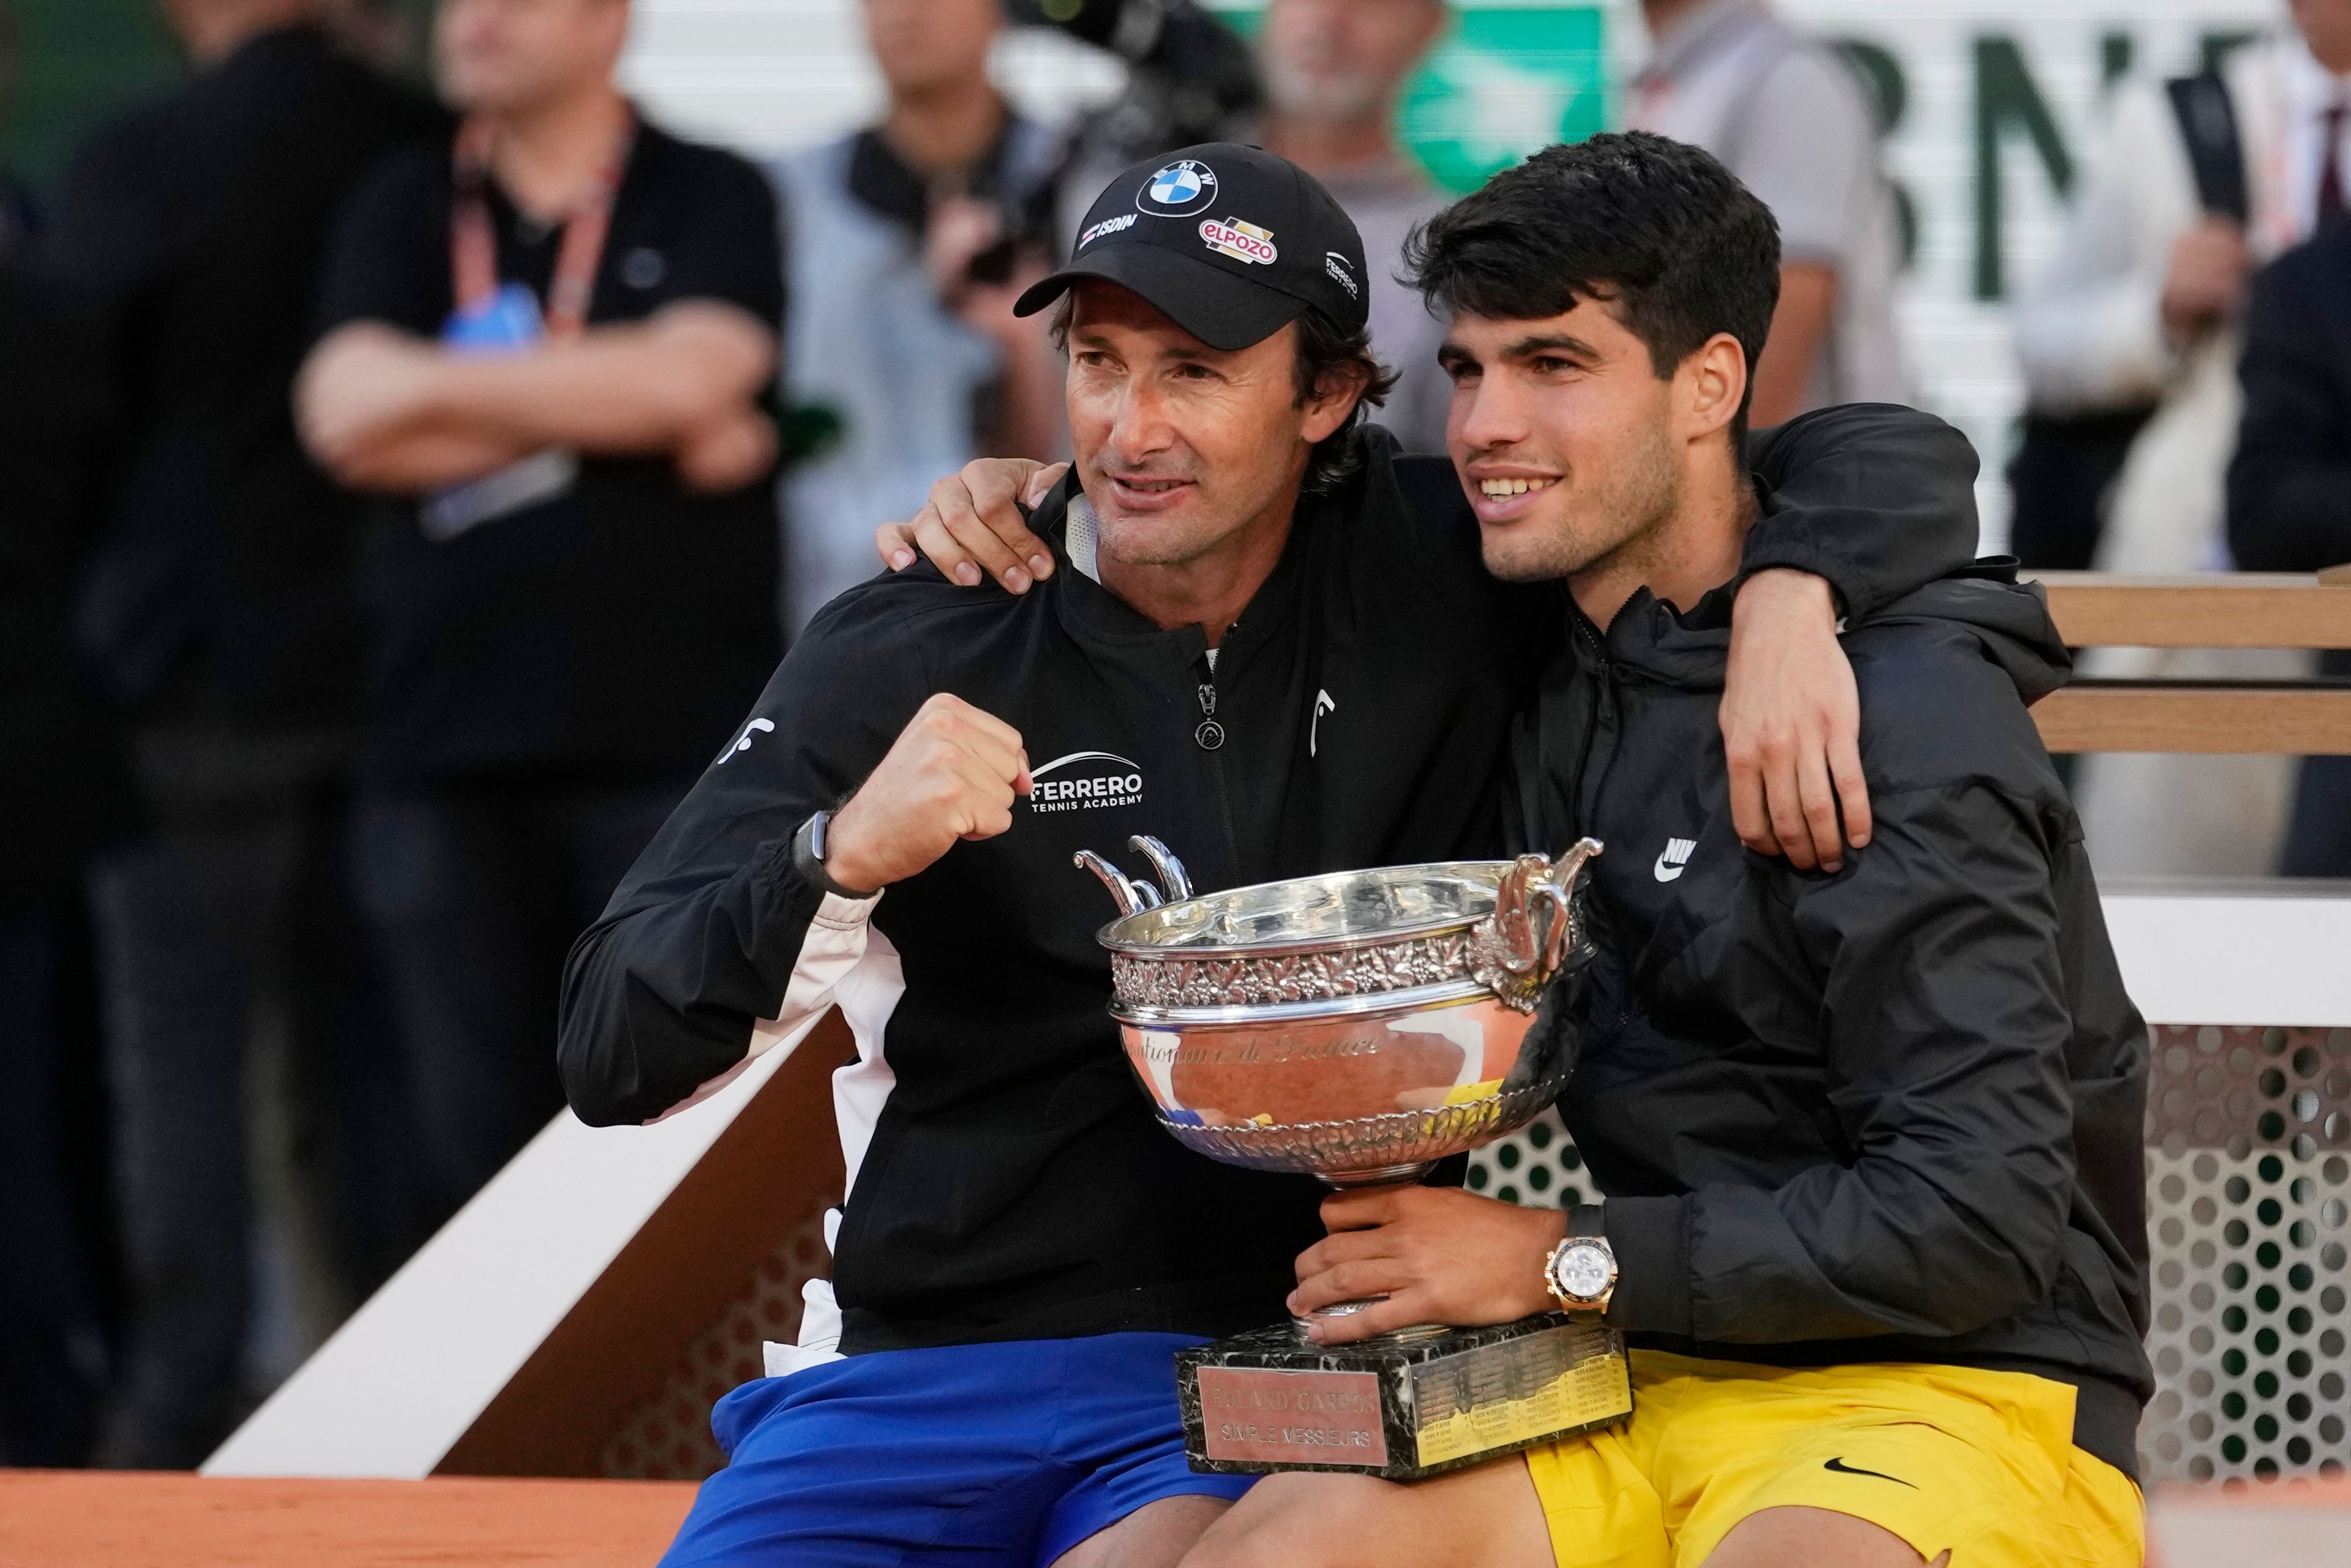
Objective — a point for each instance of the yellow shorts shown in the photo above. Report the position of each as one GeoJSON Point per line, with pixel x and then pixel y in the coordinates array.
{"type": "Point", "coordinates": [1978, 1463]}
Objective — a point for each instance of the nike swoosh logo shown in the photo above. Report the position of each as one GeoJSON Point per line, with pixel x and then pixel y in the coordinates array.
{"type": "Point", "coordinates": [1667, 871]}
{"type": "Point", "coordinates": [1840, 1468]}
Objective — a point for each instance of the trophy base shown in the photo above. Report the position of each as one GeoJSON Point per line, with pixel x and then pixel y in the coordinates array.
{"type": "Point", "coordinates": [1400, 1406]}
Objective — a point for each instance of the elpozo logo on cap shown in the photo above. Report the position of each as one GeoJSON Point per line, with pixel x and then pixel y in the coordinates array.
{"type": "Point", "coordinates": [1241, 240]}
{"type": "Point", "coordinates": [1181, 189]}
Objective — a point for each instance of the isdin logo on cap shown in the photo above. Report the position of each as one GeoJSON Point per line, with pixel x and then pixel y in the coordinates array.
{"type": "Point", "coordinates": [1241, 240]}
{"type": "Point", "coordinates": [1107, 226]}
{"type": "Point", "coordinates": [1181, 189]}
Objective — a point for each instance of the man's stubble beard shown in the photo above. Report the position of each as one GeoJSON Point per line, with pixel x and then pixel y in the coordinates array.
{"type": "Point", "coordinates": [1158, 541]}
{"type": "Point", "coordinates": [1624, 507]}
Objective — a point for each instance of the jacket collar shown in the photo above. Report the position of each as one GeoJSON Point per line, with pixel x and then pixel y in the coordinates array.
{"type": "Point", "coordinates": [1094, 616]}
{"type": "Point", "coordinates": [2008, 619]}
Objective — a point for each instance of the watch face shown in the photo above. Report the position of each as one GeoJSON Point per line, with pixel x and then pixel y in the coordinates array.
{"type": "Point", "coordinates": [1583, 1271]}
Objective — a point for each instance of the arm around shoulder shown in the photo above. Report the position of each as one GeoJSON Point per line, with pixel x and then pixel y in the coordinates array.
{"type": "Point", "coordinates": [1877, 498]}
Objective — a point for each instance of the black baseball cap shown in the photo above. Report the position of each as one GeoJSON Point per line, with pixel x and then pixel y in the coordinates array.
{"type": "Point", "coordinates": [1230, 241]}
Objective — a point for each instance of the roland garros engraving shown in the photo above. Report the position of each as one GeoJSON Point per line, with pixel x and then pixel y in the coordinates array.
{"type": "Point", "coordinates": [1386, 1144]}
{"type": "Point", "coordinates": [1262, 1416]}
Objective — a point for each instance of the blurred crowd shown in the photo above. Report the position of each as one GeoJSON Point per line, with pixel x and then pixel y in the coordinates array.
{"type": "Point", "coordinates": [406, 493]}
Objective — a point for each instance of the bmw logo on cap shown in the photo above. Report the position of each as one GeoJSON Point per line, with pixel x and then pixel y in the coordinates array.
{"type": "Point", "coordinates": [1178, 191]}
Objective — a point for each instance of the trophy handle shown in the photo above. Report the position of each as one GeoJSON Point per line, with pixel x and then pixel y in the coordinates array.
{"type": "Point", "coordinates": [1129, 897]}
{"type": "Point", "coordinates": [1163, 860]}
{"type": "Point", "coordinates": [1558, 890]}
{"type": "Point", "coordinates": [1505, 950]}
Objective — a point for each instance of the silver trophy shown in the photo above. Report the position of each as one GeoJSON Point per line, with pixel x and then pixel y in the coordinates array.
{"type": "Point", "coordinates": [1360, 1027]}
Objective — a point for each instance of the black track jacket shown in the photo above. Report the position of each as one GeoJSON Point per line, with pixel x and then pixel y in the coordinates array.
{"type": "Point", "coordinates": [1889, 1115]}
{"type": "Point", "coordinates": [1006, 1179]}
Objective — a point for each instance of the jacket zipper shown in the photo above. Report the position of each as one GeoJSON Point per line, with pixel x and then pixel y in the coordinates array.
{"type": "Point", "coordinates": [1209, 737]}
{"type": "Point", "coordinates": [1604, 682]}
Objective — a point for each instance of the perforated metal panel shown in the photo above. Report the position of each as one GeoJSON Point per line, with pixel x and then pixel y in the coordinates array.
{"type": "Point", "coordinates": [2249, 1222]}
{"type": "Point", "coordinates": [2249, 1192]}
{"type": "Point", "coordinates": [668, 1437]}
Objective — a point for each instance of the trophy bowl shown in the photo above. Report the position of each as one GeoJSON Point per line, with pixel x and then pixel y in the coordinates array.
{"type": "Point", "coordinates": [1359, 1026]}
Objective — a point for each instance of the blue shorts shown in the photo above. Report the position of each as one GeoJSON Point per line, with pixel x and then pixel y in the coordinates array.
{"type": "Point", "coordinates": [974, 1454]}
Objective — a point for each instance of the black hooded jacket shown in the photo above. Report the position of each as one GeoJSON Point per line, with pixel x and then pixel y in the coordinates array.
{"type": "Point", "coordinates": [1888, 1115]}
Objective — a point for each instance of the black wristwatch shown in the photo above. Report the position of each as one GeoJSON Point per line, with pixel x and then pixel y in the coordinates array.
{"type": "Point", "coordinates": [808, 852]}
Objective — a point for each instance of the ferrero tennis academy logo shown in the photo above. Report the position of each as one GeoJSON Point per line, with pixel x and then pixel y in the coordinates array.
{"type": "Point", "coordinates": [1085, 781]}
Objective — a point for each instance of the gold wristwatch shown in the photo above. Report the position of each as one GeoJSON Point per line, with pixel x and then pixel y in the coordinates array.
{"type": "Point", "coordinates": [1581, 1270]}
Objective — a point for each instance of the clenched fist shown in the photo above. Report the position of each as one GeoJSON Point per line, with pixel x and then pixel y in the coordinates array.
{"type": "Point", "coordinates": [951, 774]}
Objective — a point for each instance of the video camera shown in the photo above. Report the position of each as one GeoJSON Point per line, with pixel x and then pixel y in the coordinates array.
{"type": "Point", "coordinates": [1192, 77]}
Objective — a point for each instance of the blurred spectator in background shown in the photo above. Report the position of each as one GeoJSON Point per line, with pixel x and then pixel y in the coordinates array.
{"type": "Point", "coordinates": [2203, 179]}
{"type": "Point", "coordinates": [215, 606]}
{"type": "Point", "coordinates": [546, 344]}
{"type": "Point", "coordinates": [1794, 123]}
{"type": "Point", "coordinates": [62, 787]}
{"type": "Point", "coordinates": [1333, 70]}
{"type": "Point", "coordinates": [909, 240]}
{"type": "Point", "coordinates": [2290, 484]}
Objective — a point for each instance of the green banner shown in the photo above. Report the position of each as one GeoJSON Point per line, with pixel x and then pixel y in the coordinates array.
{"type": "Point", "coordinates": [77, 61]}
{"type": "Point", "coordinates": [1505, 81]}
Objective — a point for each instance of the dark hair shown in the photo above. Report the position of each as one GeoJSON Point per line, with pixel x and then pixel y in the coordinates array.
{"type": "Point", "coordinates": [1325, 350]}
{"type": "Point", "coordinates": [1656, 228]}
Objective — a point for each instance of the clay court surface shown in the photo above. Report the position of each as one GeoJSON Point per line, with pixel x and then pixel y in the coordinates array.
{"type": "Point", "coordinates": [52, 1519]}
{"type": "Point", "coordinates": [89, 1519]}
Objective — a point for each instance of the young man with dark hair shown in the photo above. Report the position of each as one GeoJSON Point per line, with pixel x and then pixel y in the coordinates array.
{"type": "Point", "coordinates": [1277, 682]}
{"type": "Point", "coordinates": [1870, 1140]}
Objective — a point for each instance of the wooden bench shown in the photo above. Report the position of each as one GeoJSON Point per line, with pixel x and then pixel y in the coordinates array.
{"type": "Point", "coordinates": [2240, 610]}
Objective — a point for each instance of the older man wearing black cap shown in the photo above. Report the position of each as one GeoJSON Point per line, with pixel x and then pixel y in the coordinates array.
{"type": "Point", "coordinates": [1264, 655]}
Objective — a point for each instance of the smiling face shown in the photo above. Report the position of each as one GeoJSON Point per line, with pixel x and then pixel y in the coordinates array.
{"type": "Point", "coordinates": [1184, 449]}
{"type": "Point", "coordinates": [1572, 448]}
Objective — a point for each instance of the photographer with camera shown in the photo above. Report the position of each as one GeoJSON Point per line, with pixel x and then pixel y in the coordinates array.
{"type": "Point", "coordinates": [907, 243]}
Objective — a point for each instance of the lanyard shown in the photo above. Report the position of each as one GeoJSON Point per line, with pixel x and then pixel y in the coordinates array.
{"type": "Point", "coordinates": [473, 245]}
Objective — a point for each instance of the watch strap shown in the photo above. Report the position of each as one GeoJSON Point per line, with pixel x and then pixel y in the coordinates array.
{"type": "Point", "coordinates": [810, 862]}
{"type": "Point", "coordinates": [1586, 1222]}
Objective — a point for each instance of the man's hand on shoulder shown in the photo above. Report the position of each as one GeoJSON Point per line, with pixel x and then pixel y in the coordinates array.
{"type": "Point", "coordinates": [1791, 724]}
{"type": "Point", "coordinates": [972, 525]}
{"type": "Point", "coordinates": [1439, 1255]}
{"type": "Point", "coordinates": [951, 774]}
